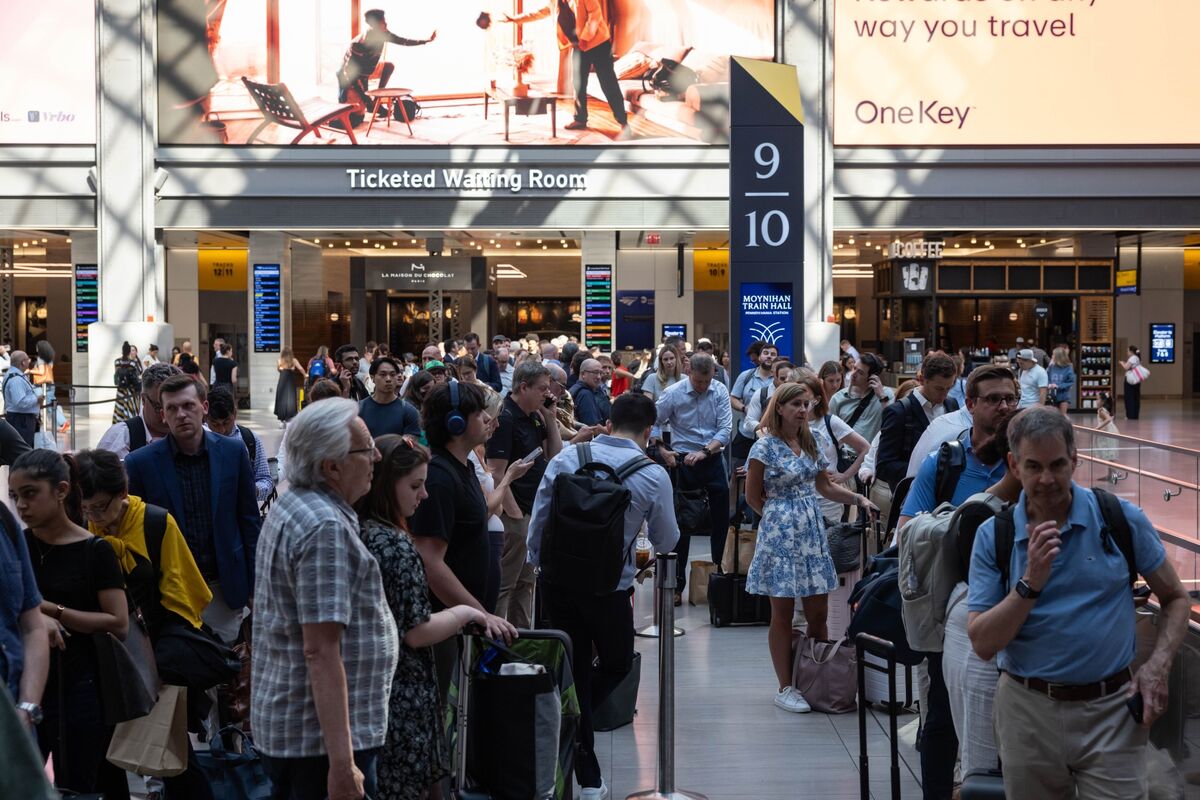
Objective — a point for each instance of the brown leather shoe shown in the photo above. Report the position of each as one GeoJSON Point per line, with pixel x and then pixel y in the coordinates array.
{"type": "Point", "coordinates": [678, 599]}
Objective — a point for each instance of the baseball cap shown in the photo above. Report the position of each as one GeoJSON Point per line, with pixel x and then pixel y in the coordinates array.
{"type": "Point", "coordinates": [435, 364]}
{"type": "Point", "coordinates": [1025, 355]}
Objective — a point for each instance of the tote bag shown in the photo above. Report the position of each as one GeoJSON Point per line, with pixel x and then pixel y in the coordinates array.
{"type": "Point", "coordinates": [156, 744]}
{"type": "Point", "coordinates": [826, 673]}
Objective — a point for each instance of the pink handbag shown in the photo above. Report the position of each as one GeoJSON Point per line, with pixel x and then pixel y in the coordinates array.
{"type": "Point", "coordinates": [826, 673]}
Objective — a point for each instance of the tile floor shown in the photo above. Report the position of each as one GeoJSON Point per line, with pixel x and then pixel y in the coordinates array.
{"type": "Point", "coordinates": [731, 742]}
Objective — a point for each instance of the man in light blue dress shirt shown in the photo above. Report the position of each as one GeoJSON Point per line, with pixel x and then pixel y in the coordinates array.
{"type": "Point", "coordinates": [606, 621]}
{"type": "Point", "coordinates": [701, 420]}
{"type": "Point", "coordinates": [21, 405]}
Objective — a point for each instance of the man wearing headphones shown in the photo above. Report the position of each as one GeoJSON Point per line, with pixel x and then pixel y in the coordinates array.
{"type": "Point", "coordinates": [449, 528]}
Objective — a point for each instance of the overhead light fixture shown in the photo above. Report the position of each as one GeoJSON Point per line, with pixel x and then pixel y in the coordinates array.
{"type": "Point", "coordinates": [414, 241]}
{"type": "Point", "coordinates": [1043, 241]}
{"type": "Point", "coordinates": [68, 240]}
{"type": "Point", "coordinates": [331, 245]}
{"type": "Point", "coordinates": [1020, 241]}
{"type": "Point", "coordinates": [1022, 245]}
{"type": "Point", "coordinates": [44, 241]}
{"type": "Point", "coordinates": [333, 316]}
{"type": "Point", "coordinates": [364, 241]}
{"type": "Point", "coordinates": [509, 272]}
{"type": "Point", "coordinates": [867, 244]}
{"type": "Point", "coordinates": [1012, 316]}
{"type": "Point", "coordinates": [518, 243]}
{"type": "Point", "coordinates": [987, 243]}
{"type": "Point", "coordinates": [851, 240]}
{"type": "Point", "coordinates": [564, 241]}
{"type": "Point", "coordinates": [991, 247]}
{"type": "Point", "coordinates": [539, 241]}
{"type": "Point", "coordinates": [491, 241]}
{"type": "Point", "coordinates": [973, 240]}
{"type": "Point", "coordinates": [347, 244]}
{"type": "Point", "coordinates": [956, 244]}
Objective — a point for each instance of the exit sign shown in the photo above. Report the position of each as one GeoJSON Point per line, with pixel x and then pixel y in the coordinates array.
{"type": "Point", "coordinates": [653, 238]}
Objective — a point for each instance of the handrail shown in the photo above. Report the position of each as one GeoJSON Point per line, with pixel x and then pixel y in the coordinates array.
{"type": "Point", "coordinates": [1174, 448]}
{"type": "Point", "coordinates": [1144, 473]}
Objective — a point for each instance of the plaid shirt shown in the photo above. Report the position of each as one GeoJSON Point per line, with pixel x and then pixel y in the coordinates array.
{"type": "Point", "coordinates": [195, 487]}
{"type": "Point", "coordinates": [314, 568]}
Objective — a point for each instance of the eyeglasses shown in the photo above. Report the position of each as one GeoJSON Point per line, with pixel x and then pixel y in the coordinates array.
{"type": "Point", "coordinates": [1001, 399]}
{"type": "Point", "coordinates": [96, 511]}
{"type": "Point", "coordinates": [156, 406]}
{"type": "Point", "coordinates": [370, 448]}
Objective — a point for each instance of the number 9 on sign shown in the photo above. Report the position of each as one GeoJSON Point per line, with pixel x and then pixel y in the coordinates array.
{"type": "Point", "coordinates": [771, 160]}
{"type": "Point", "coordinates": [774, 228]}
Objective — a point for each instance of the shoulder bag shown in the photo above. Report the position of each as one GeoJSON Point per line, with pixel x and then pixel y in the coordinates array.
{"type": "Point", "coordinates": [845, 543]}
{"type": "Point", "coordinates": [826, 673]}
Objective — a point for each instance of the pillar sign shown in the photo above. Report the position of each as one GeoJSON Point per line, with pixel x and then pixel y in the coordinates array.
{"type": "Point", "coordinates": [766, 208]}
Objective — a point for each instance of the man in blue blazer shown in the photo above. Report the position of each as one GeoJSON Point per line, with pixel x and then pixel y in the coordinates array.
{"type": "Point", "coordinates": [207, 484]}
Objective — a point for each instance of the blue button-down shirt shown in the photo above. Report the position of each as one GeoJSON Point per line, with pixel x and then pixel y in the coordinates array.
{"type": "Point", "coordinates": [1081, 628]}
{"type": "Point", "coordinates": [695, 419]}
{"type": "Point", "coordinates": [976, 477]}
{"type": "Point", "coordinates": [651, 500]}
{"type": "Point", "coordinates": [19, 394]}
{"type": "Point", "coordinates": [749, 382]}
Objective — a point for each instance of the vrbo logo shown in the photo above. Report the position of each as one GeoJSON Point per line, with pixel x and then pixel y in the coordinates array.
{"type": "Point", "coordinates": [49, 116]}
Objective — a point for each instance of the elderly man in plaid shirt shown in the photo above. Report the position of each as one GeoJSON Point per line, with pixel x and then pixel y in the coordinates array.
{"type": "Point", "coordinates": [325, 643]}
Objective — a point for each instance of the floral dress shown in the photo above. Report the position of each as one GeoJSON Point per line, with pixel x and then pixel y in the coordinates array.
{"type": "Point", "coordinates": [792, 557]}
{"type": "Point", "coordinates": [411, 758]}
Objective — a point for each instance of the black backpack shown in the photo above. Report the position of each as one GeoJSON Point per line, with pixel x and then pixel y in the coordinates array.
{"type": "Point", "coordinates": [876, 604]}
{"type": "Point", "coordinates": [137, 432]}
{"type": "Point", "coordinates": [583, 545]}
{"type": "Point", "coordinates": [951, 463]}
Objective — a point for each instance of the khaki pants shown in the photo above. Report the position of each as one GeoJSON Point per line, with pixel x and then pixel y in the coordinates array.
{"type": "Point", "coordinates": [516, 574]}
{"type": "Point", "coordinates": [1054, 749]}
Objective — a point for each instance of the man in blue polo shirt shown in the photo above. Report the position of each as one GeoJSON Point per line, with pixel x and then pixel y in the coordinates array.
{"type": "Point", "coordinates": [991, 397]}
{"type": "Point", "coordinates": [1062, 628]}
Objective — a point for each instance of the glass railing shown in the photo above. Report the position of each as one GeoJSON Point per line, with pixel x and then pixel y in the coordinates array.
{"type": "Point", "coordinates": [1160, 478]}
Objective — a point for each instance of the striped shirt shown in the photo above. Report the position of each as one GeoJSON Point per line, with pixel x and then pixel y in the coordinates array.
{"type": "Point", "coordinates": [313, 568]}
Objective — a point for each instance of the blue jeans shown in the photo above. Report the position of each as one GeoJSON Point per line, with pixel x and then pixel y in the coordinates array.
{"type": "Point", "coordinates": [308, 778]}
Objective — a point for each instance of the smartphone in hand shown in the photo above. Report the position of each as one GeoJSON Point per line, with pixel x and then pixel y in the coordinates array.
{"type": "Point", "coordinates": [1137, 707]}
{"type": "Point", "coordinates": [533, 456]}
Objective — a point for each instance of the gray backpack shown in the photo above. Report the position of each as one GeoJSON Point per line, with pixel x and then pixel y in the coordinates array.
{"type": "Point", "coordinates": [929, 568]}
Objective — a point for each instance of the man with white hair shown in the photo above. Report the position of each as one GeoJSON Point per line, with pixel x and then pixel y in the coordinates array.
{"type": "Point", "coordinates": [21, 404]}
{"type": "Point", "coordinates": [592, 406]}
{"type": "Point", "coordinates": [325, 643]}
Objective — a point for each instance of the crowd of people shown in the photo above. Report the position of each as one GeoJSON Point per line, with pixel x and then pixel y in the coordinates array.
{"type": "Point", "coordinates": [420, 492]}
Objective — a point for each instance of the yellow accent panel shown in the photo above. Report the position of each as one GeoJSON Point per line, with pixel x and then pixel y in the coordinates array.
{"type": "Point", "coordinates": [710, 270]}
{"type": "Point", "coordinates": [1191, 269]}
{"type": "Point", "coordinates": [780, 81]}
{"type": "Point", "coordinates": [222, 270]}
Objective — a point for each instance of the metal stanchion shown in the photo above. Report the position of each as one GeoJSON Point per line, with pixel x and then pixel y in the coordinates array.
{"type": "Point", "coordinates": [651, 631]}
{"type": "Point", "coordinates": [71, 400]}
{"type": "Point", "coordinates": [664, 583]}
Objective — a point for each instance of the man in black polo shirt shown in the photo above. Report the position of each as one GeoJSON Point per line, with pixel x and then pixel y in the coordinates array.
{"type": "Point", "coordinates": [526, 423]}
{"type": "Point", "coordinates": [347, 359]}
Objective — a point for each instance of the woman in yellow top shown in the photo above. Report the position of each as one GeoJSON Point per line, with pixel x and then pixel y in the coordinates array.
{"type": "Point", "coordinates": [122, 520]}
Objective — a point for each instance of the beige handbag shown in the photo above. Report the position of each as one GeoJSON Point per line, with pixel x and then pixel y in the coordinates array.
{"type": "Point", "coordinates": [698, 582]}
{"type": "Point", "coordinates": [156, 744]}
{"type": "Point", "coordinates": [826, 673]}
{"type": "Point", "coordinates": [746, 541]}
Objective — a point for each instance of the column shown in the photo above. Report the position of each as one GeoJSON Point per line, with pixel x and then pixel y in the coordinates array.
{"type": "Point", "coordinates": [807, 42]}
{"type": "Point", "coordinates": [268, 247]}
{"type": "Point", "coordinates": [132, 274]}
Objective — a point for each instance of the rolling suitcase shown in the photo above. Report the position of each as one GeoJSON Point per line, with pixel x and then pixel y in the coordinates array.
{"type": "Point", "coordinates": [728, 601]}
{"type": "Point", "coordinates": [982, 784]}
{"type": "Point", "coordinates": [865, 645]}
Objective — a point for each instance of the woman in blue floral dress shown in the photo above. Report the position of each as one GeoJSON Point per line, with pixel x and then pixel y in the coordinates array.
{"type": "Point", "coordinates": [785, 480]}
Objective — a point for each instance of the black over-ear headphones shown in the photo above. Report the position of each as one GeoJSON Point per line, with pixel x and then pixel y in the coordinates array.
{"type": "Point", "coordinates": [456, 423]}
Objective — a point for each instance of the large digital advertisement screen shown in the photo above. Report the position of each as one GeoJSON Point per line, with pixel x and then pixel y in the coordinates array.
{"type": "Point", "coordinates": [493, 72]}
{"type": "Point", "coordinates": [999, 72]}
{"type": "Point", "coordinates": [48, 94]}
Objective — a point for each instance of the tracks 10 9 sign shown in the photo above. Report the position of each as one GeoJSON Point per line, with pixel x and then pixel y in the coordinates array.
{"type": "Point", "coordinates": [766, 206]}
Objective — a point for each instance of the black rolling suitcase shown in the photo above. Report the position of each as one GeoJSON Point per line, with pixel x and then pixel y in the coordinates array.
{"type": "Point", "coordinates": [728, 601]}
{"type": "Point", "coordinates": [865, 643]}
{"type": "Point", "coordinates": [982, 784]}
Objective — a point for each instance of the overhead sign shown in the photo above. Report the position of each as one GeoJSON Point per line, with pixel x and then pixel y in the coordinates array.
{"type": "Point", "coordinates": [998, 72]}
{"type": "Point", "coordinates": [916, 249]}
{"type": "Point", "coordinates": [222, 270]}
{"type": "Point", "coordinates": [1127, 281]}
{"type": "Point", "coordinates": [635, 319]}
{"type": "Point", "coordinates": [428, 274]}
{"type": "Point", "coordinates": [765, 314]}
{"type": "Point", "coordinates": [914, 277]}
{"type": "Point", "coordinates": [1041, 310]}
{"type": "Point", "coordinates": [672, 330]}
{"type": "Point", "coordinates": [766, 206]}
{"type": "Point", "coordinates": [49, 58]}
{"type": "Point", "coordinates": [267, 296]}
{"type": "Point", "coordinates": [710, 270]}
{"type": "Point", "coordinates": [598, 306]}
{"type": "Point", "coordinates": [1162, 342]}
{"type": "Point", "coordinates": [87, 303]}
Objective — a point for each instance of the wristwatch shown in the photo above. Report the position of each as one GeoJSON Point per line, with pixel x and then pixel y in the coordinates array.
{"type": "Point", "coordinates": [1027, 591]}
{"type": "Point", "coordinates": [33, 710]}
{"type": "Point", "coordinates": [58, 611]}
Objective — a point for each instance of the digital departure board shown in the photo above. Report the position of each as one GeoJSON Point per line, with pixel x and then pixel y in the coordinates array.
{"type": "Point", "coordinates": [266, 308]}
{"type": "Point", "coordinates": [1162, 342]}
{"type": "Point", "coordinates": [597, 306]}
{"type": "Point", "coordinates": [87, 303]}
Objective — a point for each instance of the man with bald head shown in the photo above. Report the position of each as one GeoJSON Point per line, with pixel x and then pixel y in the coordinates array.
{"type": "Point", "coordinates": [21, 404]}
{"type": "Point", "coordinates": [592, 406]}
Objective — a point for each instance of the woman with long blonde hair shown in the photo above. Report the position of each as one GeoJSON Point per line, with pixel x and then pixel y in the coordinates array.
{"type": "Point", "coordinates": [787, 475]}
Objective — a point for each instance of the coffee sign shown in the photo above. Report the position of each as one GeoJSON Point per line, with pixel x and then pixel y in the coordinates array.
{"type": "Point", "coordinates": [916, 249]}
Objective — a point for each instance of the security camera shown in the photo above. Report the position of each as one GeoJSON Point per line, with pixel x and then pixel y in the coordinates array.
{"type": "Point", "coordinates": [160, 179]}
{"type": "Point", "coordinates": [91, 179]}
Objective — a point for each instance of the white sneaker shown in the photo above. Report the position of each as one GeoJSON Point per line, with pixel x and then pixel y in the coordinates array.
{"type": "Point", "coordinates": [791, 700]}
{"type": "Point", "coordinates": [595, 792]}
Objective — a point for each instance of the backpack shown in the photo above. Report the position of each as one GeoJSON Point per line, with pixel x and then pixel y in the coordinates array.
{"type": "Point", "coordinates": [910, 407]}
{"type": "Point", "coordinates": [1115, 533]}
{"type": "Point", "coordinates": [876, 607]}
{"type": "Point", "coordinates": [137, 432]}
{"type": "Point", "coordinates": [951, 463]}
{"type": "Point", "coordinates": [930, 569]}
{"type": "Point", "coordinates": [583, 545]}
{"type": "Point", "coordinates": [251, 445]}
{"type": "Point", "coordinates": [126, 376]}
{"type": "Point", "coordinates": [316, 369]}
{"type": "Point", "coordinates": [669, 79]}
